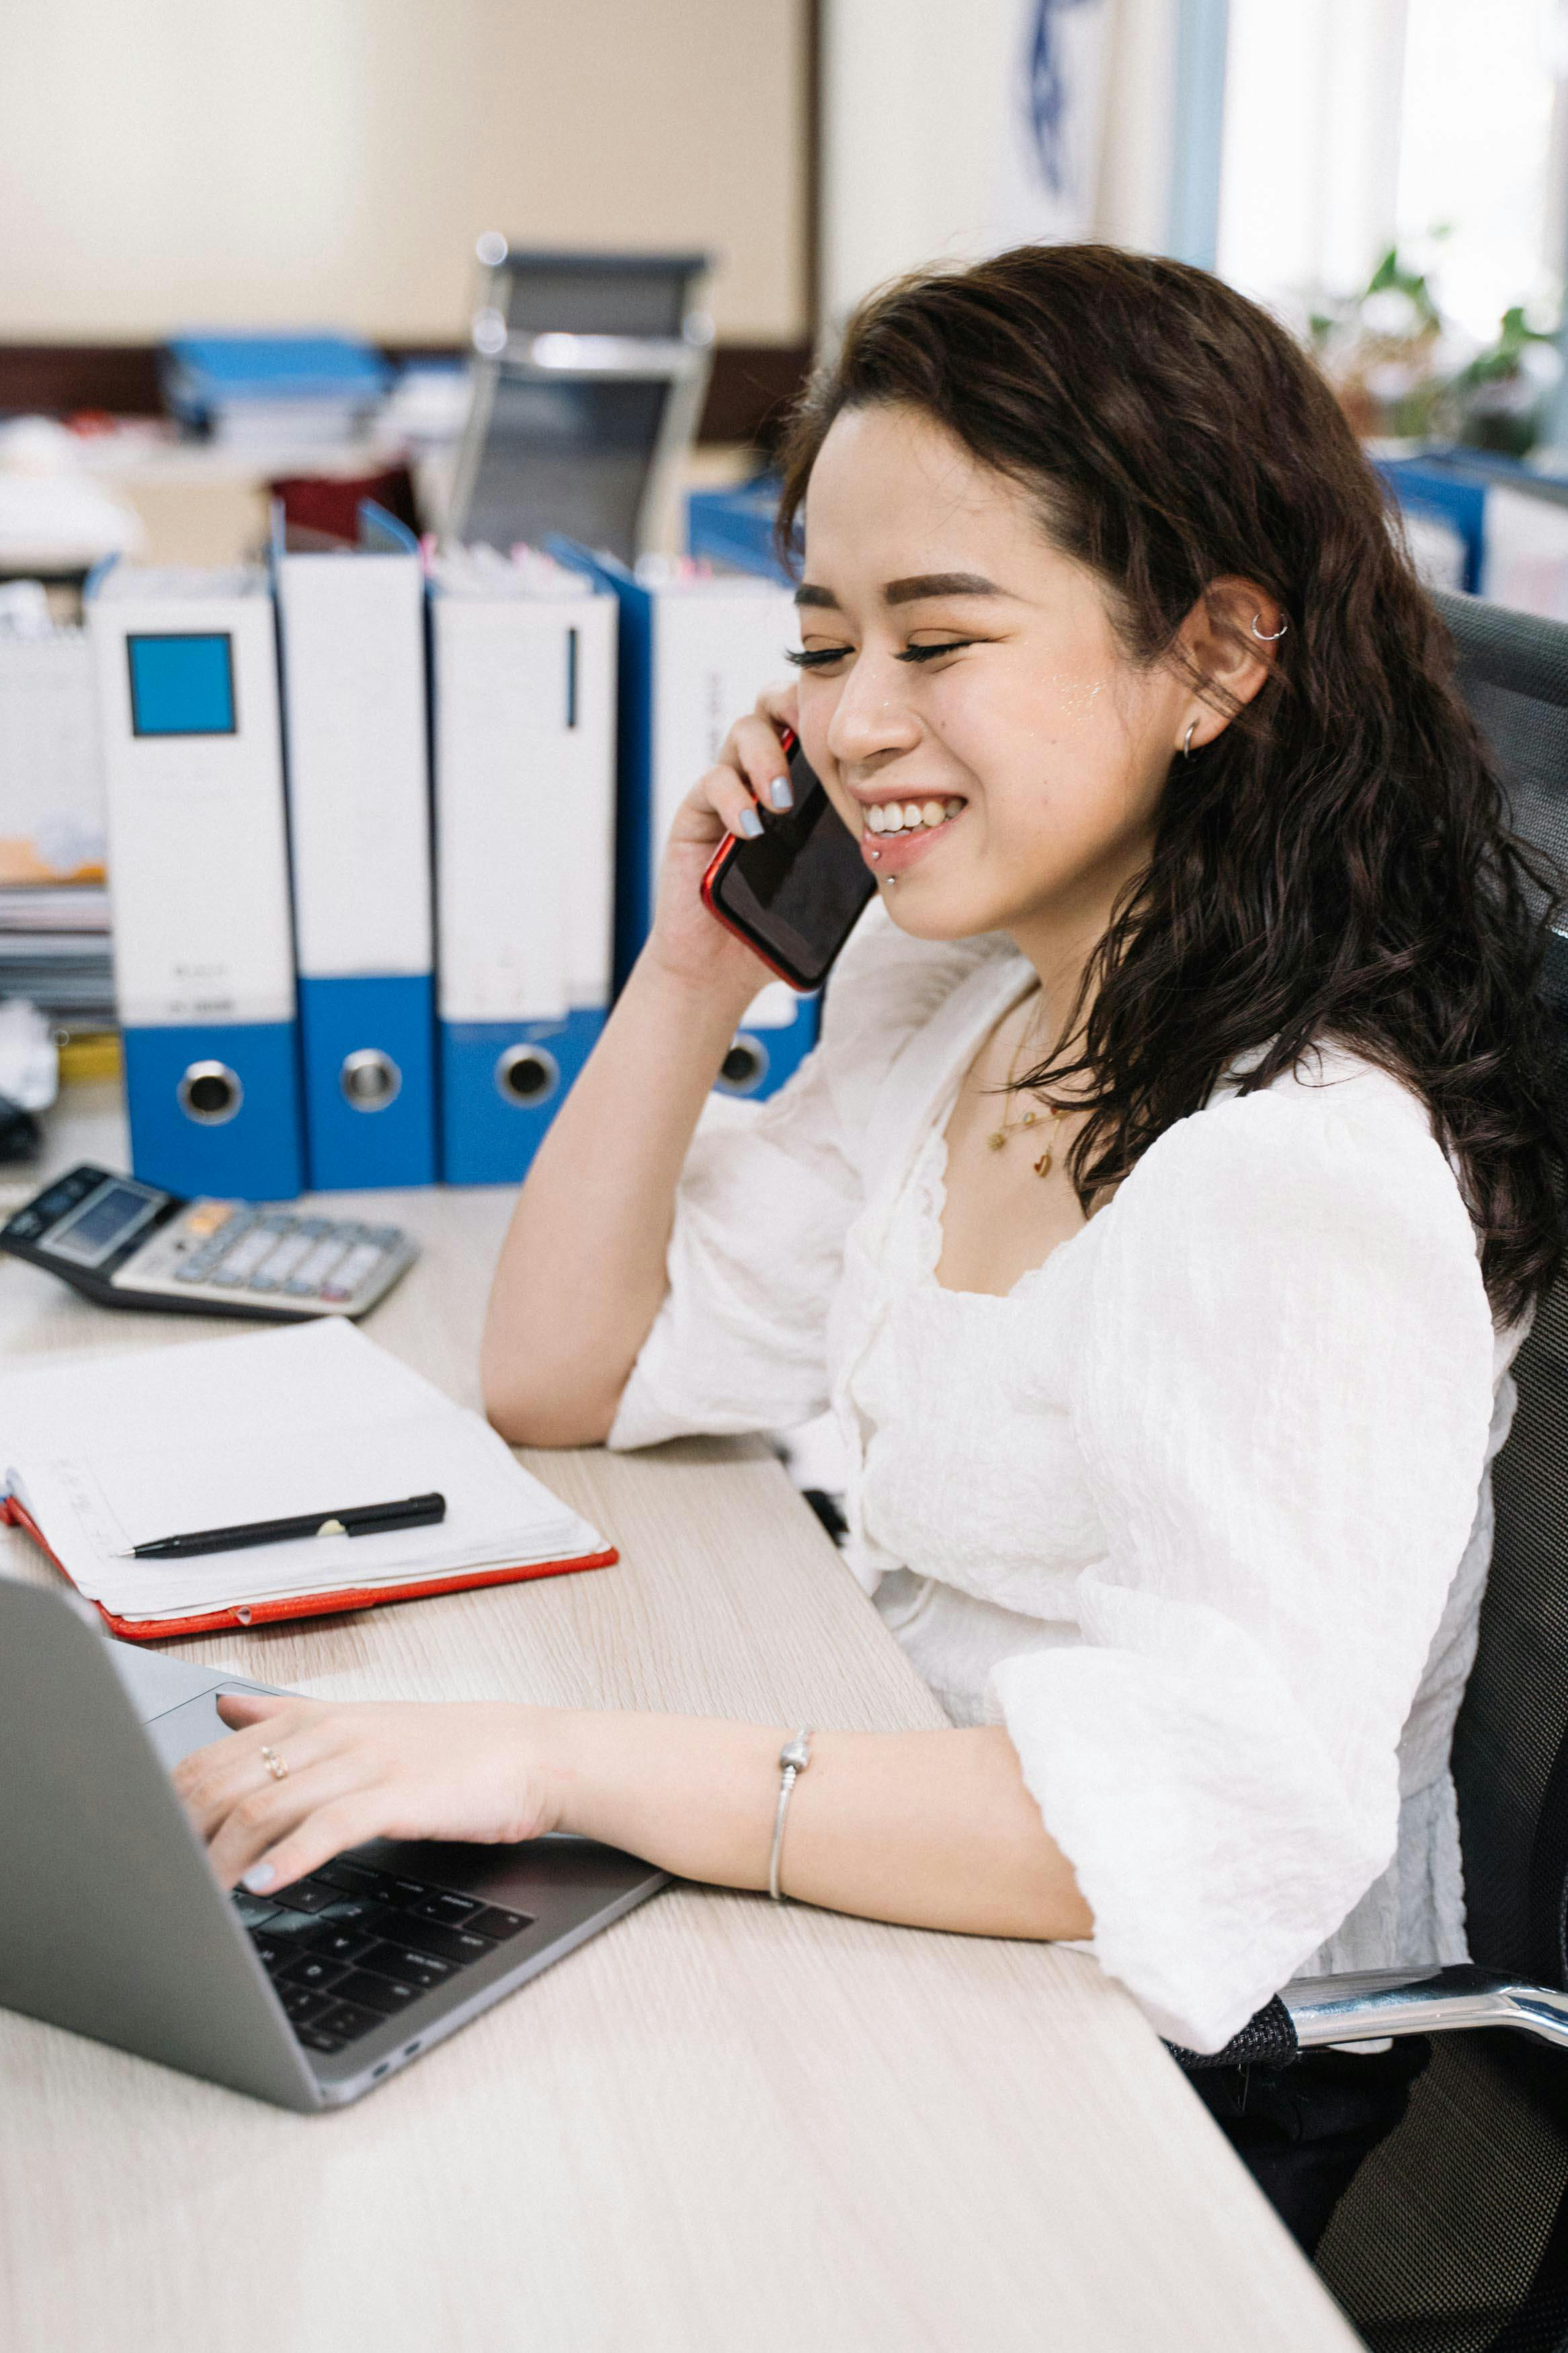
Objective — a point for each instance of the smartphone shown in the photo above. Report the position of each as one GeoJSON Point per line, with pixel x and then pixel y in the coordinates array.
{"type": "Point", "coordinates": [795, 894]}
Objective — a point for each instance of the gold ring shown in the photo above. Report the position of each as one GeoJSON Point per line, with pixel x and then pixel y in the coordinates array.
{"type": "Point", "coordinates": [274, 1764]}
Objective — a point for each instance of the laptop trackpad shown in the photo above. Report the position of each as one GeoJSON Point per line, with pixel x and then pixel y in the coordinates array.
{"type": "Point", "coordinates": [180, 1730]}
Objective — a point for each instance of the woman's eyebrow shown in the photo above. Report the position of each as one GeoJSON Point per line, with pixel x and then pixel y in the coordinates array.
{"type": "Point", "coordinates": [908, 592]}
{"type": "Point", "coordinates": [939, 584]}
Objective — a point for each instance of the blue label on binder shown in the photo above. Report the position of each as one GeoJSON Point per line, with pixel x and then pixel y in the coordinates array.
{"type": "Point", "coordinates": [368, 1048]}
{"type": "Point", "coordinates": [502, 1083]}
{"type": "Point", "coordinates": [215, 1109]}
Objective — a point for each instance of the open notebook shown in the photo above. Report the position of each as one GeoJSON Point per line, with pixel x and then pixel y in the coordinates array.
{"type": "Point", "coordinates": [97, 1457]}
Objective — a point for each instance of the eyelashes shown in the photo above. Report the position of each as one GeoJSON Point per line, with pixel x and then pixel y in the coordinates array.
{"type": "Point", "coordinates": [824, 657]}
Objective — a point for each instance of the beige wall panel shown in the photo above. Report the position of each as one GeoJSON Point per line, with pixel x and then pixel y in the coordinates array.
{"type": "Point", "coordinates": [235, 162]}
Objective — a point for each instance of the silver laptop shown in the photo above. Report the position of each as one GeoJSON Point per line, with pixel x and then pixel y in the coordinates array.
{"type": "Point", "coordinates": [112, 1923]}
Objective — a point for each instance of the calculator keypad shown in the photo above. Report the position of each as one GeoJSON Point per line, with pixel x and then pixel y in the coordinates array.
{"type": "Point", "coordinates": [271, 1255]}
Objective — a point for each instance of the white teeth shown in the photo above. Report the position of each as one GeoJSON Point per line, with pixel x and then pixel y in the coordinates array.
{"type": "Point", "coordinates": [908, 816]}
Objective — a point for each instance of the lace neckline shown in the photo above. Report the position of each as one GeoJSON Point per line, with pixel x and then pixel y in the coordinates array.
{"type": "Point", "coordinates": [925, 1203]}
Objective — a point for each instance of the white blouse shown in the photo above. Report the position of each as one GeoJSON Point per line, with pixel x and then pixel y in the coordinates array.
{"type": "Point", "coordinates": [1200, 1511]}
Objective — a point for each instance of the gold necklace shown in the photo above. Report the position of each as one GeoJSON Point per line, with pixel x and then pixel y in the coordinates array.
{"type": "Point", "coordinates": [996, 1140]}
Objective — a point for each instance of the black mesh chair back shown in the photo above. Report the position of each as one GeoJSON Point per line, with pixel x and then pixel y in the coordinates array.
{"type": "Point", "coordinates": [1454, 2236]}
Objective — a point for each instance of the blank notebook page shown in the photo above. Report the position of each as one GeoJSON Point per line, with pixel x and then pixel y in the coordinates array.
{"type": "Point", "coordinates": [315, 1419]}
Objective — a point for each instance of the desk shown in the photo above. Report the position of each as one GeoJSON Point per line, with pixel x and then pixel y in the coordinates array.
{"type": "Point", "coordinates": [719, 2126]}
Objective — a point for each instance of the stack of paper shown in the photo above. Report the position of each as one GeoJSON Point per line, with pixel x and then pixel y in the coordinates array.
{"type": "Point", "coordinates": [314, 1419]}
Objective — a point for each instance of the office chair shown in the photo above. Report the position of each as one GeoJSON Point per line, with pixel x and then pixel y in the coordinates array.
{"type": "Point", "coordinates": [1453, 2235]}
{"type": "Point", "coordinates": [588, 381]}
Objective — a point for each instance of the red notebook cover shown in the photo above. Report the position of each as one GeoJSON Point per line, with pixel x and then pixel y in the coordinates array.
{"type": "Point", "coordinates": [307, 1605]}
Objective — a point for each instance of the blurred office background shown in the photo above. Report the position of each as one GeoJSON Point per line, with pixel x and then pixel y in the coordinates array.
{"type": "Point", "coordinates": [1390, 176]}
{"type": "Point", "coordinates": [310, 164]}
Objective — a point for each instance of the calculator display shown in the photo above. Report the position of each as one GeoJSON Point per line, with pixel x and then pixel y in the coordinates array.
{"type": "Point", "coordinates": [105, 1220]}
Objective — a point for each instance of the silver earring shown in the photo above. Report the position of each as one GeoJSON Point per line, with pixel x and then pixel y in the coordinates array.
{"type": "Point", "coordinates": [1263, 636]}
{"type": "Point", "coordinates": [1187, 739]}
{"type": "Point", "coordinates": [887, 880]}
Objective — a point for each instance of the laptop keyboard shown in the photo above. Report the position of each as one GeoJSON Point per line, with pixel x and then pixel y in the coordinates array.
{"type": "Point", "coordinates": [350, 1947]}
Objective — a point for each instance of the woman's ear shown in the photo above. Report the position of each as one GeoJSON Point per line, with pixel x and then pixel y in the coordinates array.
{"type": "Point", "coordinates": [1229, 640]}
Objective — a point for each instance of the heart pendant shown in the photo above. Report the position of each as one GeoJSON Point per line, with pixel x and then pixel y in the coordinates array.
{"type": "Point", "coordinates": [1043, 1165]}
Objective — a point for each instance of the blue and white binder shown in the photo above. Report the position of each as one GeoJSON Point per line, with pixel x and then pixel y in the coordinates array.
{"type": "Point", "coordinates": [696, 650]}
{"type": "Point", "coordinates": [523, 657]}
{"type": "Point", "coordinates": [198, 863]}
{"type": "Point", "coordinates": [350, 629]}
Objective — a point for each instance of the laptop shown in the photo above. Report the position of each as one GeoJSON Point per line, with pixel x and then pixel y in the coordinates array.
{"type": "Point", "coordinates": [113, 1925]}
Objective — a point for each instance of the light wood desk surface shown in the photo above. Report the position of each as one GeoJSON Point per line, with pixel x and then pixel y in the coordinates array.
{"type": "Point", "coordinates": [721, 2125]}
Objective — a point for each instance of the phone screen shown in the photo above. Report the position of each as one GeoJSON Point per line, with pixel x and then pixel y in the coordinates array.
{"type": "Point", "coordinates": [797, 892]}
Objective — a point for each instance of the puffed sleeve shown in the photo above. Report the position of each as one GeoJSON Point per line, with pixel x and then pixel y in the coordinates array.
{"type": "Point", "coordinates": [1282, 1400]}
{"type": "Point", "coordinates": [766, 1196]}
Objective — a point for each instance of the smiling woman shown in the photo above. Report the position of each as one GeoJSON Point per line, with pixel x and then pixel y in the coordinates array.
{"type": "Point", "coordinates": [1160, 1213]}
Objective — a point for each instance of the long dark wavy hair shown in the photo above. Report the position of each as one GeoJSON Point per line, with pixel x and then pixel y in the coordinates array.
{"type": "Point", "coordinates": [1337, 864]}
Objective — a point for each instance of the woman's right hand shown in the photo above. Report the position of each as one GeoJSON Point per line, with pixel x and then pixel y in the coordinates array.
{"type": "Point", "coordinates": [685, 940]}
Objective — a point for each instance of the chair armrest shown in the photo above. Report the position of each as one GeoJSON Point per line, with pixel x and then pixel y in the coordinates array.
{"type": "Point", "coordinates": [1364, 2006]}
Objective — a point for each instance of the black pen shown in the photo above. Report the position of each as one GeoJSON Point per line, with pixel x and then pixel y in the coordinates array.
{"type": "Point", "coordinates": [361, 1520]}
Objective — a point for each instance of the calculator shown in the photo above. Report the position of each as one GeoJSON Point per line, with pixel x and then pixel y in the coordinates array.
{"type": "Point", "coordinates": [127, 1244]}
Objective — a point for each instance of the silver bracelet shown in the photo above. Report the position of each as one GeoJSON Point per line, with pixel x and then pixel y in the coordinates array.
{"type": "Point", "coordinates": [794, 1758]}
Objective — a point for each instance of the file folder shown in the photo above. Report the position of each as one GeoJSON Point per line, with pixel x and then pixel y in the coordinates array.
{"type": "Point", "coordinates": [523, 669]}
{"type": "Point", "coordinates": [187, 681]}
{"type": "Point", "coordinates": [351, 637]}
{"type": "Point", "coordinates": [696, 650]}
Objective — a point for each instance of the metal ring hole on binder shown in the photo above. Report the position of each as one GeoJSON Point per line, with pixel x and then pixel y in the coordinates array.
{"type": "Point", "coordinates": [210, 1093]}
{"type": "Point", "coordinates": [527, 1074]}
{"type": "Point", "coordinates": [745, 1066]}
{"type": "Point", "coordinates": [370, 1080]}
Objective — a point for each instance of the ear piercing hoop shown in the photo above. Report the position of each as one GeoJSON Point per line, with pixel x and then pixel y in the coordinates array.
{"type": "Point", "coordinates": [1268, 636]}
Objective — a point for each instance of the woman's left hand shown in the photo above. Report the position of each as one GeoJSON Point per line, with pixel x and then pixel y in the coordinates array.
{"type": "Point", "coordinates": [473, 1771]}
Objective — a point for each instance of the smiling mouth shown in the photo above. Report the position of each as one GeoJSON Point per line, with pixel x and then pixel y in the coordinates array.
{"type": "Point", "coordinates": [885, 818]}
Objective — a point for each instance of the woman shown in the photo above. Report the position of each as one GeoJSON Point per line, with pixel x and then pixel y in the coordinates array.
{"type": "Point", "coordinates": [1161, 1211]}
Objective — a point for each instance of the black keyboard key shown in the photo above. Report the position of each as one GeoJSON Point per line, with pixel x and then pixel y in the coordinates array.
{"type": "Point", "coordinates": [451, 1911]}
{"type": "Point", "coordinates": [459, 1946]}
{"type": "Point", "coordinates": [309, 1896]}
{"type": "Point", "coordinates": [498, 1925]}
{"type": "Point", "coordinates": [271, 1952]}
{"type": "Point", "coordinates": [253, 1910]}
{"type": "Point", "coordinates": [352, 1877]}
{"type": "Point", "coordinates": [348, 2021]}
{"type": "Point", "coordinates": [399, 1891]}
{"type": "Point", "coordinates": [291, 1925]}
{"type": "Point", "coordinates": [339, 1944]}
{"type": "Point", "coordinates": [398, 1961]}
{"type": "Point", "coordinates": [388, 1995]}
{"type": "Point", "coordinates": [311, 1969]}
{"type": "Point", "coordinates": [302, 2005]}
{"type": "Point", "coordinates": [314, 2039]}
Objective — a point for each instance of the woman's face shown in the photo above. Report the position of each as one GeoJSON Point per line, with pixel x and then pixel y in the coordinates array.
{"type": "Point", "coordinates": [959, 670]}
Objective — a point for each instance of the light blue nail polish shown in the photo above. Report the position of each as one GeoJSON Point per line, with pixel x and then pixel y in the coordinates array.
{"type": "Point", "coordinates": [780, 795]}
{"type": "Point", "coordinates": [749, 824]}
{"type": "Point", "coordinates": [258, 1878]}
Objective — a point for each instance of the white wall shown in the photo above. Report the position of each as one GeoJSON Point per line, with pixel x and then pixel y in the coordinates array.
{"type": "Point", "coordinates": [918, 127]}
{"type": "Point", "coordinates": [164, 161]}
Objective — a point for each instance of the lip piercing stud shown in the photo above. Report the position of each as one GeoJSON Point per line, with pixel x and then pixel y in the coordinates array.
{"type": "Point", "coordinates": [1268, 636]}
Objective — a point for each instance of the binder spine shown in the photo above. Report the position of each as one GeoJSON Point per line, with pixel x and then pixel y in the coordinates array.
{"type": "Point", "coordinates": [351, 635]}
{"type": "Point", "coordinates": [214, 1108]}
{"type": "Point", "coordinates": [501, 1084]}
{"type": "Point", "coordinates": [198, 865]}
{"type": "Point", "coordinates": [368, 1052]}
